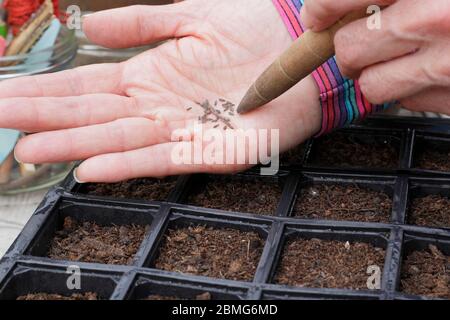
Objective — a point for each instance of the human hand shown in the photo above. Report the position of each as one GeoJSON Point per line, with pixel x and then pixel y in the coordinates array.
{"type": "Point", "coordinates": [406, 60]}
{"type": "Point", "coordinates": [120, 117]}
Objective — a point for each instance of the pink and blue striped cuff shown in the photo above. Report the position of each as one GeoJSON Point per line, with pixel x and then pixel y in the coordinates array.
{"type": "Point", "coordinates": [341, 99]}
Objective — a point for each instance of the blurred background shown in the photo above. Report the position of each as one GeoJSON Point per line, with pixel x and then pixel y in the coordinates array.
{"type": "Point", "coordinates": [89, 53]}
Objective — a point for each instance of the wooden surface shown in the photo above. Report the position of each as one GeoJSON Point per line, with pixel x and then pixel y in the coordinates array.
{"type": "Point", "coordinates": [14, 214]}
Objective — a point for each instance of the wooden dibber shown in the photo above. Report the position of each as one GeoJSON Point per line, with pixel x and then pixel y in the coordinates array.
{"type": "Point", "coordinates": [306, 54]}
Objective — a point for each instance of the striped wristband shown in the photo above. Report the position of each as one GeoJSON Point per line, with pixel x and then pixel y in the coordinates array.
{"type": "Point", "coordinates": [341, 99]}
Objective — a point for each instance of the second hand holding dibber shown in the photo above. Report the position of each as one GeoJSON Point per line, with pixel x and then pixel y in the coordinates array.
{"type": "Point", "coordinates": [306, 54]}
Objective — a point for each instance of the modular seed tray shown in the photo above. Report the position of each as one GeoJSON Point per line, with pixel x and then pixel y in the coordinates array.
{"type": "Point", "coordinates": [266, 234]}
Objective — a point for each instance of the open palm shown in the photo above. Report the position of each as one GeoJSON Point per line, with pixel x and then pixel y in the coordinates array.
{"type": "Point", "coordinates": [120, 117]}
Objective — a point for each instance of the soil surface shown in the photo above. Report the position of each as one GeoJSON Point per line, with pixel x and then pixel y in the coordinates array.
{"type": "Point", "coordinates": [433, 159]}
{"type": "Point", "coordinates": [427, 273]}
{"type": "Point", "coordinates": [237, 195]}
{"type": "Point", "coordinates": [343, 202]}
{"type": "Point", "coordinates": [220, 253]}
{"type": "Point", "coordinates": [48, 296]}
{"type": "Point", "coordinates": [350, 151]}
{"type": "Point", "coordinates": [143, 189]}
{"type": "Point", "coordinates": [201, 297]}
{"type": "Point", "coordinates": [293, 156]}
{"type": "Point", "coordinates": [89, 242]}
{"type": "Point", "coordinates": [431, 211]}
{"type": "Point", "coordinates": [327, 264]}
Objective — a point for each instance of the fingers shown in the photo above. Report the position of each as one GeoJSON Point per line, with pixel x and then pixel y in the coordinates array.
{"type": "Point", "coordinates": [100, 78]}
{"type": "Point", "coordinates": [81, 143]}
{"type": "Point", "coordinates": [396, 79]}
{"type": "Point", "coordinates": [399, 60]}
{"type": "Point", "coordinates": [431, 100]}
{"type": "Point", "coordinates": [358, 47]}
{"type": "Point", "coordinates": [212, 151]}
{"type": "Point", "coordinates": [139, 25]}
{"type": "Point", "coordinates": [321, 14]}
{"type": "Point", "coordinates": [155, 161]}
{"type": "Point", "coordinates": [152, 161]}
{"type": "Point", "coordinates": [46, 114]}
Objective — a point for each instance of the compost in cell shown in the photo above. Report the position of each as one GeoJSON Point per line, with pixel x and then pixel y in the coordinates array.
{"type": "Point", "coordinates": [53, 296]}
{"type": "Point", "coordinates": [318, 263]}
{"type": "Point", "coordinates": [348, 202]}
{"type": "Point", "coordinates": [293, 157]}
{"type": "Point", "coordinates": [430, 211]}
{"type": "Point", "coordinates": [238, 195]}
{"type": "Point", "coordinates": [346, 150]}
{"type": "Point", "coordinates": [144, 189]}
{"type": "Point", "coordinates": [89, 242]}
{"type": "Point", "coordinates": [432, 154]}
{"type": "Point", "coordinates": [427, 273]}
{"type": "Point", "coordinates": [220, 253]}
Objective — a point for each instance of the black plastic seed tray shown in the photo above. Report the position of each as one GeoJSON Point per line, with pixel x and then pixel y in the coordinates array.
{"type": "Point", "coordinates": [388, 228]}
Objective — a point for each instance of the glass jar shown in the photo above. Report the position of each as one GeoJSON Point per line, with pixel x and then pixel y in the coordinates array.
{"type": "Point", "coordinates": [90, 53]}
{"type": "Point", "coordinates": [56, 58]}
{"type": "Point", "coordinates": [61, 55]}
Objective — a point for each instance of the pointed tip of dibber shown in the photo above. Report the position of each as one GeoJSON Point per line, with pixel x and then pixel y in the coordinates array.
{"type": "Point", "coordinates": [243, 107]}
{"type": "Point", "coordinates": [251, 101]}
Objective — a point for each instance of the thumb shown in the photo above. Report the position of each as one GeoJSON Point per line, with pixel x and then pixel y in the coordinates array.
{"type": "Point", "coordinates": [139, 25]}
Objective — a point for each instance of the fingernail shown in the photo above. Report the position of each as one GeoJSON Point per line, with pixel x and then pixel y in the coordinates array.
{"type": "Point", "coordinates": [15, 157]}
{"type": "Point", "coordinates": [75, 177]}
